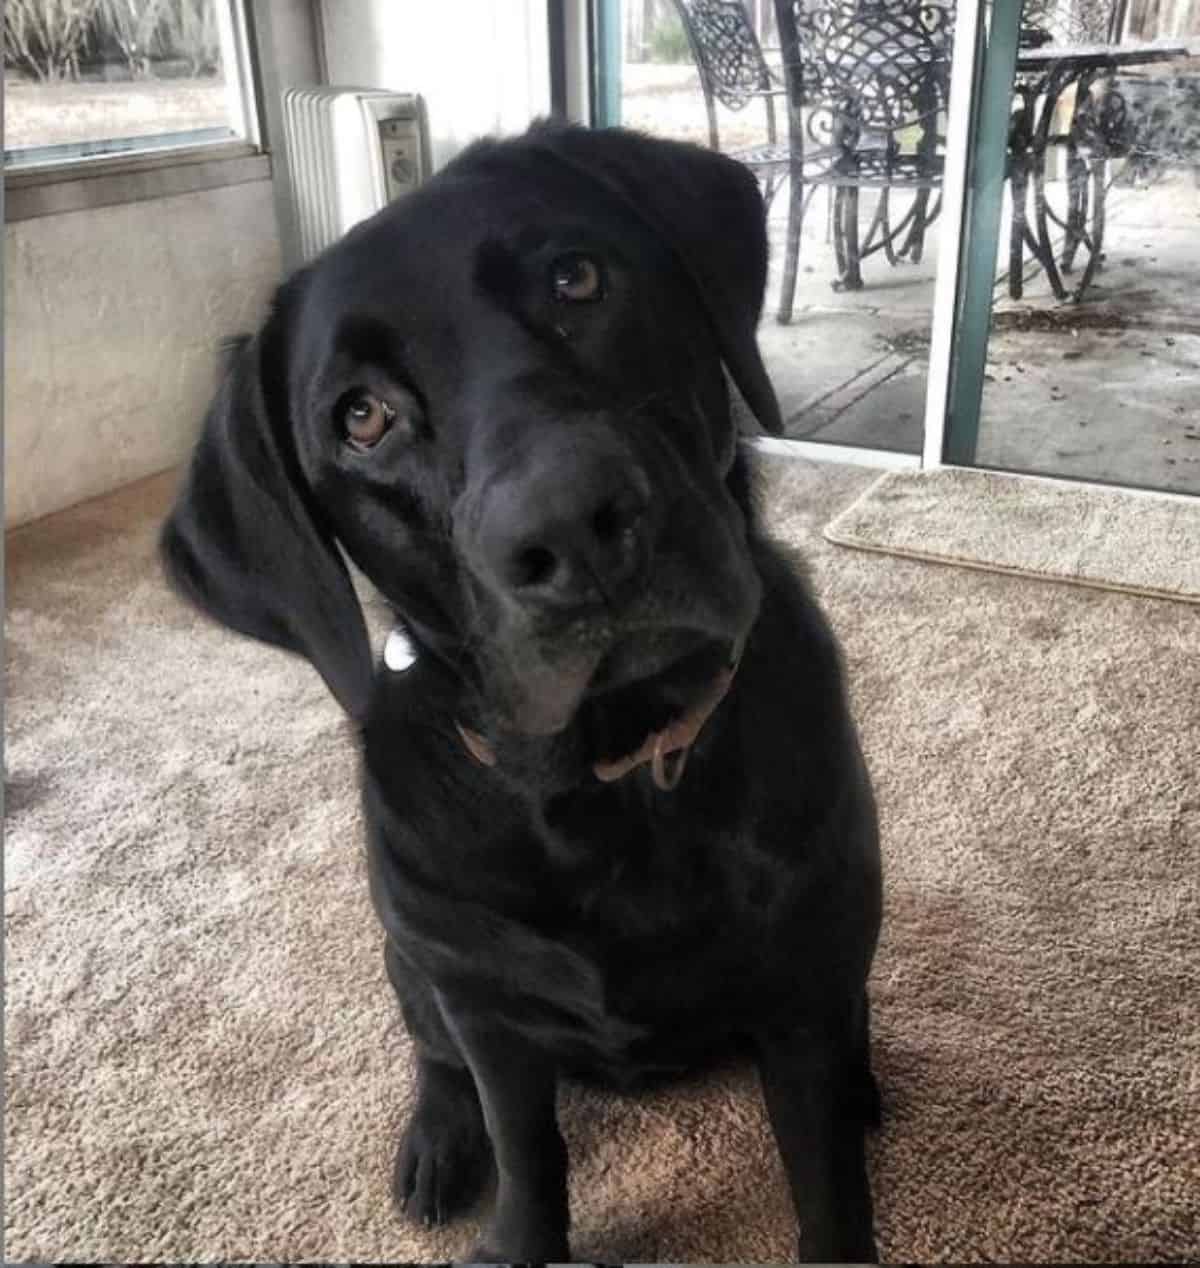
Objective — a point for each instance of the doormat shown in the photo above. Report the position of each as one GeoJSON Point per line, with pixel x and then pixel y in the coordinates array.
{"type": "Point", "coordinates": [1113, 539]}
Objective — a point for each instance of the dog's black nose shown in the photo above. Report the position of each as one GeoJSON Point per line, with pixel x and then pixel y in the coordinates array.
{"type": "Point", "coordinates": [569, 530]}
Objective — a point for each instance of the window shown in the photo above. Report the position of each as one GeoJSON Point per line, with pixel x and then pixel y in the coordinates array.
{"type": "Point", "coordinates": [99, 78]}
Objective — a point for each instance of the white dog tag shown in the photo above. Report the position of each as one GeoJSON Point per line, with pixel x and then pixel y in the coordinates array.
{"type": "Point", "coordinates": [399, 653]}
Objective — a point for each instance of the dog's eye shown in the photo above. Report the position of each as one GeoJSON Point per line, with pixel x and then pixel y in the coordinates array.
{"type": "Point", "coordinates": [366, 419]}
{"type": "Point", "coordinates": [576, 279]}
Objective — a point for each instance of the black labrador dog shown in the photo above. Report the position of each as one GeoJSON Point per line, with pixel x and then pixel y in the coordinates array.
{"type": "Point", "coordinates": [619, 821]}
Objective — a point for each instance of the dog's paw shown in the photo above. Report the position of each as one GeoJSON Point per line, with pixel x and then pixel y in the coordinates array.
{"type": "Point", "coordinates": [851, 1246]}
{"type": "Point", "coordinates": [442, 1162]}
{"type": "Point", "coordinates": [553, 1252]}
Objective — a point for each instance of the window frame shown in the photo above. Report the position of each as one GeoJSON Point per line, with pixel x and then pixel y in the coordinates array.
{"type": "Point", "coordinates": [102, 180]}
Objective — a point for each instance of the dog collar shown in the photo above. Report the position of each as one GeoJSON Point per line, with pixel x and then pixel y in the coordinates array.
{"type": "Point", "coordinates": [666, 751]}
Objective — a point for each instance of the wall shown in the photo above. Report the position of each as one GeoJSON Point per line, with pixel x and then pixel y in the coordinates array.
{"type": "Point", "coordinates": [112, 320]}
{"type": "Point", "coordinates": [481, 67]}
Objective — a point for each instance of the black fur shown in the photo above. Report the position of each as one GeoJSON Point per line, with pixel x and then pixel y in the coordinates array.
{"type": "Point", "coordinates": [563, 520]}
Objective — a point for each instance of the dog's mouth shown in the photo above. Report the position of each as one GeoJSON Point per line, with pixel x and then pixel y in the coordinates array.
{"type": "Point", "coordinates": [644, 703]}
{"type": "Point", "coordinates": [676, 702]}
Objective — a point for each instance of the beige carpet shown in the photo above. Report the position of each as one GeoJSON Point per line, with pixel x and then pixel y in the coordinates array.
{"type": "Point", "coordinates": [204, 1061]}
{"type": "Point", "coordinates": [1056, 530]}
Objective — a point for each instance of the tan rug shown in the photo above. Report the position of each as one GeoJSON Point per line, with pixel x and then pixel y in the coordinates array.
{"type": "Point", "coordinates": [1050, 529]}
{"type": "Point", "coordinates": [204, 1061]}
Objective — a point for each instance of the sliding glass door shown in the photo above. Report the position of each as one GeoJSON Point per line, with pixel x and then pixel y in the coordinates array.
{"type": "Point", "coordinates": [1074, 346]}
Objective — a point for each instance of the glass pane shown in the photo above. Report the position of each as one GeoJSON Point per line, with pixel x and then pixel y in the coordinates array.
{"type": "Point", "coordinates": [1093, 364]}
{"type": "Point", "coordinates": [850, 97]}
{"type": "Point", "coordinates": [92, 77]}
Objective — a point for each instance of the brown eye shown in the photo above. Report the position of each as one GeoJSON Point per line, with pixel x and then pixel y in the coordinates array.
{"type": "Point", "coordinates": [366, 419]}
{"type": "Point", "coordinates": [575, 279]}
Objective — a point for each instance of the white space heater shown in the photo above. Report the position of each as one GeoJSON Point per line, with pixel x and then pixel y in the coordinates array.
{"type": "Point", "coordinates": [350, 151]}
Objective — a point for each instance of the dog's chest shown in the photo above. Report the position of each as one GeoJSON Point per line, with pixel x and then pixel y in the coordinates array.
{"type": "Point", "coordinates": [674, 915]}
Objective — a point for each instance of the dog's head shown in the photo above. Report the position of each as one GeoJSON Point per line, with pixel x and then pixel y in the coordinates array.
{"type": "Point", "coordinates": [505, 398]}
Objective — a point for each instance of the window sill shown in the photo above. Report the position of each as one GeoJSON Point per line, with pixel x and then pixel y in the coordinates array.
{"type": "Point", "coordinates": [30, 192]}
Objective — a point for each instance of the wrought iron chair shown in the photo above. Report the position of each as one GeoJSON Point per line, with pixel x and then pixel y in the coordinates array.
{"type": "Point", "coordinates": [1073, 21]}
{"type": "Point", "coordinates": [864, 84]}
{"type": "Point", "coordinates": [869, 85]}
{"type": "Point", "coordinates": [734, 72]}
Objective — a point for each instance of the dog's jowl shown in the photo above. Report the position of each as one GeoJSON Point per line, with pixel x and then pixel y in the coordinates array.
{"type": "Point", "coordinates": [619, 823]}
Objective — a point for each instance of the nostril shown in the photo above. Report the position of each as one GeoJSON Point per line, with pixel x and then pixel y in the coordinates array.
{"type": "Point", "coordinates": [608, 523]}
{"type": "Point", "coordinates": [615, 521]}
{"type": "Point", "coordinates": [616, 537]}
{"type": "Point", "coordinates": [533, 566]}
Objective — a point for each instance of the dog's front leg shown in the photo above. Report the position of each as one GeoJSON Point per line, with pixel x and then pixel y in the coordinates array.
{"type": "Point", "coordinates": [517, 1085]}
{"type": "Point", "coordinates": [813, 1084]}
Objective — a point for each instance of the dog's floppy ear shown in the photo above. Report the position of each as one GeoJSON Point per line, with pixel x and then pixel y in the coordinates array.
{"type": "Point", "coordinates": [707, 208]}
{"type": "Point", "coordinates": [246, 542]}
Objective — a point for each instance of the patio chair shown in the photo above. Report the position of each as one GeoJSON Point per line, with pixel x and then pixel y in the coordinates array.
{"type": "Point", "coordinates": [734, 71]}
{"type": "Point", "coordinates": [1073, 21]}
{"type": "Point", "coordinates": [856, 78]}
{"type": "Point", "coordinates": [870, 85]}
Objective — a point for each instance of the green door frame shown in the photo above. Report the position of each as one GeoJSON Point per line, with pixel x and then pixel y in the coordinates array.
{"type": "Point", "coordinates": [987, 172]}
{"type": "Point", "coordinates": [606, 43]}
